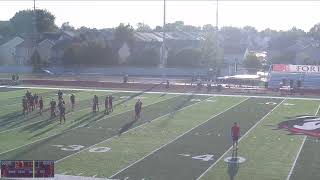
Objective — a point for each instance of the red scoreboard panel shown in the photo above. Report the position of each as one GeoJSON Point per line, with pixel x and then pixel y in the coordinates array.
{"type": "Point", "coordinates": [14, 169]}
{"type": "Point", "coordinates": [44, 169]}
{"type": "Point", "coordinates": [27, 168]}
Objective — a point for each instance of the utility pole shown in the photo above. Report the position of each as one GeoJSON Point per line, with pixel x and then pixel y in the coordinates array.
{"type": "Point", "coordinates": [217, 14]}
{"type": "Point", "coordinates": [163, 48]}
{"type": "Point", "coordinates": [34, 34]}
{"type": "Point", "coordinates": [217, 37]}
{"type": "Point", "coordinates": [34, 19]}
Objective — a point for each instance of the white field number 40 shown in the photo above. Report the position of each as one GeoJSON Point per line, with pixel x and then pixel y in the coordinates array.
{"type": "Point", "coordinates": [205, 157]}
{"type": "Point", "coordinates": [79, 147]}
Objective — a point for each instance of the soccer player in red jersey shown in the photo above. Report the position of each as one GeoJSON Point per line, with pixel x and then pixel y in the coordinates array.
{"type": "Point", "coordinates": [73, 101]}
{"type": "Point", "coordinates": [53, 105]}
{"type": "Point", "coordinates": [24, 105]}
{"type": "Point", "coordinates": [106, 105]}
{"type": "Point", "coordinates": [137, 109]}
{"type": "Point", "coordinates": [110, 104]}
{"type": "Point", "coordinates": [235, 133]}
{"type": "Point", "coordinates": [41, 105]}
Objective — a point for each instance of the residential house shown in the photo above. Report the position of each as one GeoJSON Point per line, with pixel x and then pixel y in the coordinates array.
{"type": "Point", "coordinates": [59, 48]}
{"type": "Point", "coordinates": [8, 50]}
{"type": "Point", "coordinates": [304, 51]}
{"type": "Point", "coordinates": [44, 49]}
{"type": "Point", "coordinates": [24, 51]}
{"type": "Point", "coordinates": [57, 51]}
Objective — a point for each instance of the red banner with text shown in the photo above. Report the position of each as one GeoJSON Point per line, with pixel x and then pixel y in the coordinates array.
{"type": "Point", "coordinates": [295, 68]}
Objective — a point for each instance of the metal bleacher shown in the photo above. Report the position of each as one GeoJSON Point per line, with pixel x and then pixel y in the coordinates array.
{"type": "Point", "coordinates": [308, 80]}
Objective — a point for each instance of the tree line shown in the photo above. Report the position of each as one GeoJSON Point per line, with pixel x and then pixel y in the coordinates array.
{"type": "Point", "coordinates": [209, 54]}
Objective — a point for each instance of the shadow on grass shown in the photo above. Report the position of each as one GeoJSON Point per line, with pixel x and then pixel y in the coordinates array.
{"type": "Point", "coordinates": [136, 95]}
{"type": "Point", "coordinates": [233, 167]}
{"type": "Point", "coordinates": [181, 104]}
{"type": "Point", "coordinates": [16, 118]}
{"type": "Point", "coordinates": [126, 127]}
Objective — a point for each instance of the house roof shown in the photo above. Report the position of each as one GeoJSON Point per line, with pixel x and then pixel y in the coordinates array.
{"type": "Point", "coordinates": [46, 41]}
{"type": "Point", "coordinates": [230, 58]}
{"type": "Point", "coordinates": [107, 34]}
{"type": "Point", "coordinates": [13, 42]}
{"type": "Point", "coordinates": [53, 36]}
{"type": "Point", "coordinates": [144, 36]}
{"type": "Point", "coordinates": [177, 35]}
{"type": "Point", "coordinates": [313, 52]}
{"type": "Point", "coordinates": [27, 43]}
{"type": "Point", "coordinates": [62, 44]}
{"type": "Point", "coordinates": [69, 33]}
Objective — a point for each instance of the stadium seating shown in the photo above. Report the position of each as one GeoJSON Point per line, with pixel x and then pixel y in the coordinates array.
{"type": "Point", "coordinates": [308, 81]}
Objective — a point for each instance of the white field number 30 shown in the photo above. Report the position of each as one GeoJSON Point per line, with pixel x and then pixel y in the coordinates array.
{"type": "Point", "coordinates": [79, 147]}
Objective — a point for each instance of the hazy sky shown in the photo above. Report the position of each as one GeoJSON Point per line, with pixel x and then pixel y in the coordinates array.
{"type": "Point", "coordinates": [272, 14]}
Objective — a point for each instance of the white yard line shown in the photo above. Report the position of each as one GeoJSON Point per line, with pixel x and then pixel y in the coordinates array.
{"type": "Point", "coordinates": [317, 110]}
{"type": "Point", "coordinates": [240, 139]}
{"type": "Point", "coordinates": [296, 159]}
{"type": "Point", "coordinates": [210, 118]}
{"type": "Point", "coordinates": [76, 128]}
{"type": "Point", "coordinates": [157, 92]}
{"type": "Point", "coordinates": [299, 151]}
{"type": "Point", "coordinates": [106, 140]}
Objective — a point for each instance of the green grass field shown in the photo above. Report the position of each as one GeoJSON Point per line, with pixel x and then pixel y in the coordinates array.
{"type": "Point", "coordinates": [179, 136]}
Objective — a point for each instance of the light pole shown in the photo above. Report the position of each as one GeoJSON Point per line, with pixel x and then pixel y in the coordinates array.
{"type": "Point", "coordinates": [217, 13]}
{"type": "Point", "coordinates": [34, 19]}
{"type": "Point", "coordinates": [163, 48]}
{"type": "Point", "coordinates": [217, 39]}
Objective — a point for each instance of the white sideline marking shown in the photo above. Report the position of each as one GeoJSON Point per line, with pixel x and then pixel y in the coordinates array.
{"type": "Point", "coordinates": [211, 117]}
{"type": "Point", "coordinates": [185, 155]}
{"type": "Point", "coordinates": [71, 177]}
{"type": "Point", "coordinates": [77, 127]}
{"type": "Point", "coordinates": [106, 140]}
{"type": "Point", "coordinates": [224, 154]}
{"type": "Point", "coordinates": [299, 151]}
{"type": "Point", "coordinates": [157, 92]}
{"type": "Point", "coordinates": [296, 159]}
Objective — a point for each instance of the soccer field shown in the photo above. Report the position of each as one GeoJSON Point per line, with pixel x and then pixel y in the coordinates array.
{"type": "Point", "coordinates": [179, 136]}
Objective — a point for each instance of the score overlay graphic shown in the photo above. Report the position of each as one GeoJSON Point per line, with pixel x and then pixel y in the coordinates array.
{"type": "Point", "coordinates": [27, 168]}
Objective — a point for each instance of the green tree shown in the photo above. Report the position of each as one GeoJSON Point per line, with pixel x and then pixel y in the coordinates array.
{"type": "Point", "coordinates": [147, 57]}
{"type": "Point", "coordinates": [285, 39]}
{"type": "Point", "coordinates": [208, 28]}
{"type": "Point", "coordinates": [141, 27]}
{"type": "Point", "coordinates": [315, 31]}
{"type": "Point", "coordinates": [283, 57]}
{"type": "Point", "coordinates": [184, 58]}
{"type": "Point", "coordinates": [36, 61]}
{"type": "Point", "coordinates": [212, 54]}
{"type": "Point", "coordinates": [158, 28]}
{"type": "Point", "coordinates": [124, 33]}
{"type": "Point", "coordinates": [6, 29]}
{"type": "Point", "coordinates": [89, 54]}
{"type": "Point", "coordinates": [252, 63]}
{"type": "Point", "coordinates": [67, 27]}
{"type": "Point", "coordinates": [22, 21]}
{"type": "Point", "coordinates": [70, 57]}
